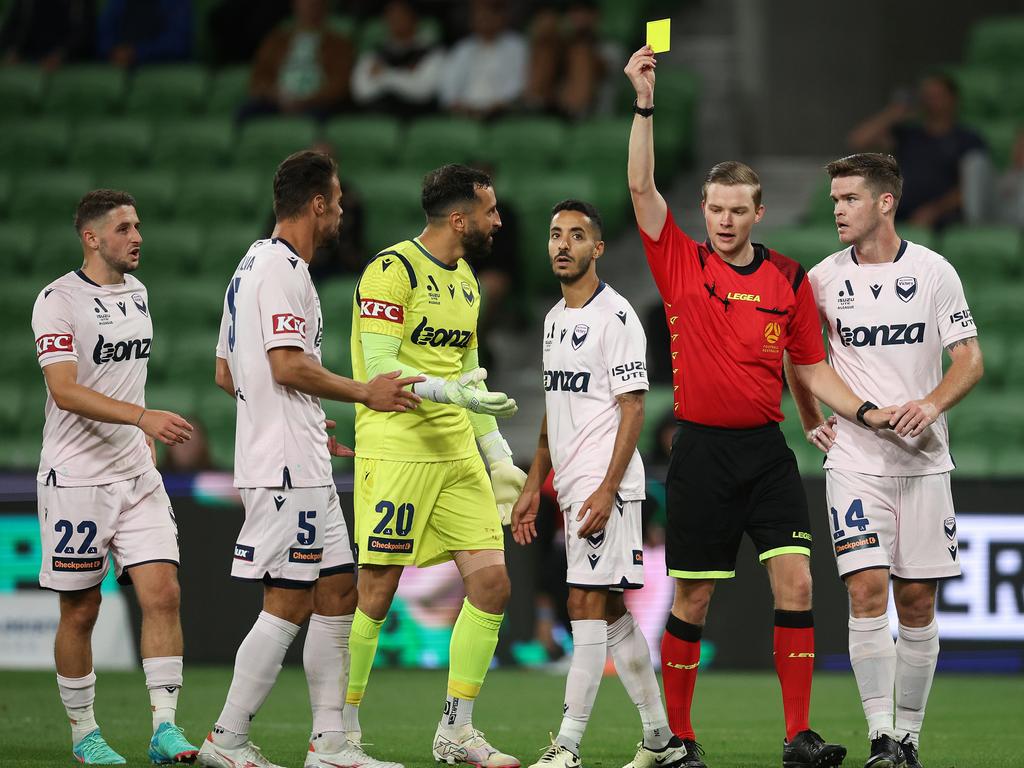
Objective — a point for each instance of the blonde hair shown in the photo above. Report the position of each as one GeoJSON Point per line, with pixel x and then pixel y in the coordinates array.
{"type": "Point", "coordinates": [729, 174]}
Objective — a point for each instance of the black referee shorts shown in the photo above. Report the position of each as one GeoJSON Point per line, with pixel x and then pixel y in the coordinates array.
{"type": "Point", "coordinates": [722, 483]}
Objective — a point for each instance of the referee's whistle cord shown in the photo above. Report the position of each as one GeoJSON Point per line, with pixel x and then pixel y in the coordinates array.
{"type": "Point", "coordinates": [711, 293]}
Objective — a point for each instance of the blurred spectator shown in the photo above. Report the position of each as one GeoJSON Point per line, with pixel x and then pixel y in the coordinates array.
{"type": "Point", "coordinates": [48, 32]}
{"type": "Point", "coordinates": [486, 72]}
{"type": "Point", "coordinates": [566, 67]}
{"type": "Point", "coordinates": [930, 148]}
{"type": "Point", "coordinates": [401, 75]}
{"type": "Point", "coordinates": [191, 456]}
{"type": "Point", "coordinates": [1009, 188]}
{"type": "Point", "coordinates": [302, 67]}
{"type": "Point", "coordinates": [237, 27]}
{"type": "Point", "coordinates": [144, 31]}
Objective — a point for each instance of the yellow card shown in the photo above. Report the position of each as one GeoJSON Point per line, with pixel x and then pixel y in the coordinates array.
{"type": "Point", "coordinates": [659, 34]}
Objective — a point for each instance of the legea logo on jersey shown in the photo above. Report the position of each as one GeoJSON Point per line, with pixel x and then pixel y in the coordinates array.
{"type": "Point", "coordinates": [566, 381]}
{"type": "Point", "coordinates": [289, 323]}
{"type": "Point", "coordinates": [54, 342]}
{"type": "Point", "coordinates": [880, 335]}
{"type": "Point", "coordinates": [372, 309]}
{"type": "Point", "coordinates": [119, 351]}
{"type": "Point", "coordinates": [429, 336]}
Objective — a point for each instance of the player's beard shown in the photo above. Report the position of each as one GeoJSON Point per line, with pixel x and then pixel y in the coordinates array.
{"type": "Point", "coordinates": [476, 243]}
{"type": "Point", "coordinates": [123, 264]}
{"type": "Point", "coordinates": [582, 267]}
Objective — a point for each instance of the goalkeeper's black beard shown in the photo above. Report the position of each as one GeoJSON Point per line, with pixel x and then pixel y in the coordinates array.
{"type": "Point", "coordinates": [476, 244]}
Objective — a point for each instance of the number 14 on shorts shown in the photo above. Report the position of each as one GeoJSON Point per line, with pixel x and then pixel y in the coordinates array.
{"type": "Point", "coordinates": [855, 518]}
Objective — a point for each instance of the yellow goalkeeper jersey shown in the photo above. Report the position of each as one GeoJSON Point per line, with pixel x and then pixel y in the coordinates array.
{"type": "Point", "coordinates": [433, 308]}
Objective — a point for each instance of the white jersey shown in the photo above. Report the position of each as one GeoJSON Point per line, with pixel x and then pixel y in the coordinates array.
{"type": "Point", "coordinates": [280, 437]}
{"type": "Point", "coordinates": [107, 331]}
{"type": "Point", "coordinates": [887, 327]}
{"type": "Point", "coordinates": [591, 354]}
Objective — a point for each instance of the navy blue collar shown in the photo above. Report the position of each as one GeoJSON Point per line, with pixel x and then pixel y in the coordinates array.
{"type": "Point", "coordinates": [429, 255]}
{"type": "Point", "coordinates": [286, 244]}
{"type": "Point", "coordinates": [600, 287]}
{"type": "Point", "coordinates": [87, 279]}
{"type": "Point", "coordinates": [899, 253]}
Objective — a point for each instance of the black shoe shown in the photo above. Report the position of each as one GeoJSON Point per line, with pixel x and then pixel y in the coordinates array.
{"type": "Point", "coordinates": [809, 750]}
{"type": "Point", "coordinates": [886, 753]}
{"type": "Point", "coordinates": [693, 755]}
{"type": "Point", "coordinates": [909, 749]}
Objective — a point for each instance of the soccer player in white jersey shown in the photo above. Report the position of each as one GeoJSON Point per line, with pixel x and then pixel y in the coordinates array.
{"type": "Point", "coordinates": [294, 539]}
{"type": "Point", "coordinates": [595, 378]}
{"type": "Point", "coordinates": [98, 489]}
{"type": "Point", "coordinates": [890, 307]}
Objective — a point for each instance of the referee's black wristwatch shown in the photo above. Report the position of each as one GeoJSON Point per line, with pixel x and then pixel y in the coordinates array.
{"type": "Point", "coordinates": [865, 407]}
{"type": "Point", "coordinates": [643, 111]}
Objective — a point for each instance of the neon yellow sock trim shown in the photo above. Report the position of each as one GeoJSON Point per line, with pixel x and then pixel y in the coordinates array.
{"type": "Point", "coordinates": [362, 645]}
{"type": "Point", "coordinates": [473, 642]}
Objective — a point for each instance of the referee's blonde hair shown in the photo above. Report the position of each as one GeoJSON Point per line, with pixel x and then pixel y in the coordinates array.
{"type": "Point", "coordinates": [729, 174]}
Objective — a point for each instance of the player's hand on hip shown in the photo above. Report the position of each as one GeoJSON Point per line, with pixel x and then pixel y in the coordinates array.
{"type": "Point", "coordinates": [169, 428]}
{"type": "Point", "coordinates": [640, 71]}
{"type": "Point", "coordinates": [596, 509]}
{"type": "Point", "coordinates": [333, 446]}
{"type": "Point", "coordinates": [466, 393]}
{"type": "Point", "coordinates": [823, 436]}
{"type": "Point", "coordinates": [524, 517]}
{"type": "Point", "coordinates": [387, 392]}
{"type": "Point", "coordinates": [913, 418]}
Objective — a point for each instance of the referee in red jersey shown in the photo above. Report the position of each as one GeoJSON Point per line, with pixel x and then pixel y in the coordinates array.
{"type": "Point", "coordinates": [733, 307]}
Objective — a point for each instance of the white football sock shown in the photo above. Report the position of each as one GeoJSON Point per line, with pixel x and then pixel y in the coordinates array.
{"type": "Point", "coordinates": [78, 695]}
{"type": "Point", "coordinates": [257, 665]}
{"type": "Point", "coordinates": [632, 657]}
{"type": "Point", "coordinates": [350, 718]}
{"type": "Point", "coordinates": [325, 660]}
{"type": "Point", "coordinates": [163, 679]}
{"type": "Point", "coordinates": [917, 652]}
{"type": "Point", "coordinates": [873, 657]}
{"type": "Point", "coordinates": [590, 651]}
{"type": "Point", "coordinates": [457, 712]}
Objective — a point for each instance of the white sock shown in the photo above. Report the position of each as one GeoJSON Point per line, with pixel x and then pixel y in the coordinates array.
{"type": "Point", "coordinates": [350, 719]}
{"type": "Point", "coordinates": [917, 652]}
{"type": "Point", "coordinates": [325, 660]}
{"type": "Point", "coordinates": [78, 695]}
{"type": "Point", "coordinates": [873, 657]}
{"type": "Point", "coordinates": [632, 658]}
{"type": "Point", "coordinates": [163, 679]}
{"type": "Point", "coordinates": [457, 712]}
{"type": "Point", "coordinates": [590, 651]}
{"type": "Point", "coordinates": [257, 665]}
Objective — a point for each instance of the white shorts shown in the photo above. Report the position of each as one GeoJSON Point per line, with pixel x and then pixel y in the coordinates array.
{"type": "Point", "coordinates": [131, 519]}
{"type": "Point", "coordinates": [905, 524]}
{"type": "Point", "coordinates": [291, 536]}
{"type": "Point", "coordinates": [612, 558]}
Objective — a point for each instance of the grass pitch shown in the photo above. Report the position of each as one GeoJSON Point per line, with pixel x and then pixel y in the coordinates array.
{"type": "Point", "coordinates": [972, 720]}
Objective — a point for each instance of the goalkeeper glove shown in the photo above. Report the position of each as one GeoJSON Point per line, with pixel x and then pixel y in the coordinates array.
{"type": "Point", "coordinates": [507, 480]}
{"type": "Point", "coordinates": [465, 392]}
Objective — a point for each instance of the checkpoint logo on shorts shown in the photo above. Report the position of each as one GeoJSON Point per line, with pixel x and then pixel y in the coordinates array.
{"type": "Point", "coordinates": [296, 555]}
{"type": "Point", "coordinates": [856, 543]}
{"type": "Point", "coordinates": [77, 565]}
{"type": "Point", "coordinates": [372, 309]}
{"type": "Point", "coordinates": [244, 552]}
{"type": "Point", "coordinates": [54, 342]}
{"type": "Point", "coordinates": [289, 323]}
{"type": "Point", "coordinates": [390, 546]}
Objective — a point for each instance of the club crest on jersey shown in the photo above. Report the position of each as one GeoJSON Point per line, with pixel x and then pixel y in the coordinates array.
{"type": "Point", "coordinates": [579, 335]}
{"type": "Point", "coordinates": [289, 323]}
{"type": "Point", "coordinates": [467, 294]}
{"type": "Point", "coordinates": [140, 304]}
{"type": "Point", "coordinates": [54, 342]}
{"type": "Point", "coordinates": [949, 526]}
{"type": "Point", "coordinates": [373, 309]}
{"type": "Point", "coordinates": [906, 288]}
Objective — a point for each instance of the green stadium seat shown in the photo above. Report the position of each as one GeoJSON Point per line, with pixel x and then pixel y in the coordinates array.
{"type": "Point", "coordinates": [336, 298]}
{"type": "Point", "coordinates": [58, 251]}
{"type": "Point", "coordinates": [16, 308]}
{"type": "Point", "coordinates": [34, 144]}
{"type": "Point", "coordinates": [599, 148]}
{"type": "Point", "coordinates": [981, 91]}
{"type": "Point", "coordinates": [998, 352]}
{"type": "Point", "coordinates": [434, 141]}
{"type": "Point", "coordinates": [392, 209]}
{"type": "Point", "coordinates": [19, 247]}
{"type": "Point", "coordinates": [363, 143]}
{"type": "Point", "coordinates": [527, 142]}
{"type": "Point", "coordinates": [169, 250]}
{"type": "Point", "coordinates": [265, 142]}
{"type": "Point", "coordinates": [224, 247]}
{"type": "Point", "coordinates": [6, 189]}
{"type": "Point", "coordinates": [998, 250]}
{"type": "Point", "coordinates": [227, 196]}
{"type": "Point", "coordinates": [21, 89]}
{"type": "Point", "coordinates": [658, 402]}
{"type": "Point", "coordinates": [172, 397]}
{"type": "Point", "coordinates": [807, 245]}
{"type": "Point", "coordinates": [621, 22]}
{"type": "Point", "coordinates": [919, 235]}
{"type": "Point", "coordinates": [228, 91]}
{"type": "Point", "coordinates": [999, 134]}
{"type": "Point", "coordinates": [972, 460]}
{"type": "Point", "coordinates": [217, 414]}
{"type": "Point", "coordinates": [167, 90]}
{"type": "Point", "coordinates": [155, 192]}
{"type": "Point", "coordinates": [111, 143]}
{"type": "Point", "coordinates": [200, 142]}
{"type": "Point", "coordinates": [22, 453]}
{"type": "Point", "coordinates": [190, 304]}
{"type": "Point", "coordinates": [999, 310]}
{"type": "Point", "coordinates": [997, 42]}
{"type": "Point", "coordinates": [1012, 102]}
{"type": "Point", "coordinates": [48, 196]}
{"type": "Point", "coordinates": [1013, 368]}
{"type": "Point", "coordinates": [85, 90]}
{"type": "Point", "coordinates": [675, 127]}
{"type": "Point", "coordinates": [997, 419]}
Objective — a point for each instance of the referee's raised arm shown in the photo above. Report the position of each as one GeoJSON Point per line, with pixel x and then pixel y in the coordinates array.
{"type": "Point", "coordinates": [648, 204]}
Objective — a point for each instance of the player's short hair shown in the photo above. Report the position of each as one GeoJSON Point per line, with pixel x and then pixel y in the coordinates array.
{"type": "Point", "coordinates": [449, 186]}
{"type": "Point", "coordinates": [881, 173]}
{"type": "Point", "coordinates": [586, 209]}
{"type": "Point", "coordinates": [729, 174]}
{"type": "Point", "coordinates": [299, 178]}
{"type": "Point", "coordinates": [97, 203]}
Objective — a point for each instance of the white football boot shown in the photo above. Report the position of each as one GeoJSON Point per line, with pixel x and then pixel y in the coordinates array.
{"type": "Point", "coordinates": [466, 745]}
{"type": "Point", "coordinates": [246, 756]}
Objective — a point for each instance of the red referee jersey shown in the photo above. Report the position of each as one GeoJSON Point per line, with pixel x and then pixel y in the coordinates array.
{"type": "Point", "coordinates": [729, 326]}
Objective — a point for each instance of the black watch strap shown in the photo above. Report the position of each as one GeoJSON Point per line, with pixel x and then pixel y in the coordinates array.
{"type": "Point", "coordinates": [864, 408]}
{"type": "Point", "coordinates": [643, 111]}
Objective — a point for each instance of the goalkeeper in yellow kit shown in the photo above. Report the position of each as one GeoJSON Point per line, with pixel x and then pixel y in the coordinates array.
{"type": "Point", "coordinates": [422, 493]}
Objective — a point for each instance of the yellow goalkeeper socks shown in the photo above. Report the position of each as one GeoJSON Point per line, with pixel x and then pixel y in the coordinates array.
{"type": "Point", "coordinates": [362, 645]}
{"type": "Point", "coordinates": [473, 642]}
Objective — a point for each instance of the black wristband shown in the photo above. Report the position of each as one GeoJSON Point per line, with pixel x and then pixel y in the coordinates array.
{"type": "Point", "coordinates": [865, 407]}
{"type": "Point", "coordinates": [642, 111]}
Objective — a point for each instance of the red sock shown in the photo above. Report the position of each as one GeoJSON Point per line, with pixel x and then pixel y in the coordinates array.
{"type": "Point", "coordinates": [680, 656]}
{"type": "Point", "coordinates": [794, 663]}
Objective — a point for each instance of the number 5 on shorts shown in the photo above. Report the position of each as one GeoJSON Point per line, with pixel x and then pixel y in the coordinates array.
{"type": "Point", "coordinates": [307, 531]}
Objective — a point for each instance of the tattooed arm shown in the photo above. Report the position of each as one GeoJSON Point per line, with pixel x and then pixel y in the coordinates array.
{"type": "Point", "coordinates": [967, 367]}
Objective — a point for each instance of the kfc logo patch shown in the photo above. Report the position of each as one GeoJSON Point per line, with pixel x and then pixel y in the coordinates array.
{"type": "Point", "coordinates": [372, 309]}
{"type": "Point", "coordinates": [289, 323]}
{"type": "Point", "coordinates": [53, 342]}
